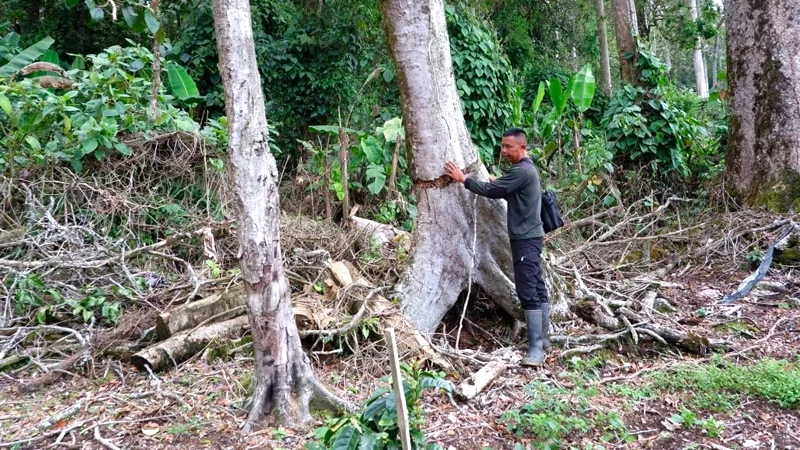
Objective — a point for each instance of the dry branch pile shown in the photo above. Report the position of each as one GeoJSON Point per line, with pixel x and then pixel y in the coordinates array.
{"type": "Point", "coordinates": [154, 235]}
{"type": "Point", "coordinates": [149, 237]}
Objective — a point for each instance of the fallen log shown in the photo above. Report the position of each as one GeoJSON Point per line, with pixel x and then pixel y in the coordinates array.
{"type": "Point", "coordinates": [217, 307]}
{"type": "Point", "coordinates": [475, 384]}
{"type": "Point", "coordinates": [182, 346]}
{"type": "Point", "coordinates": [376, 232]}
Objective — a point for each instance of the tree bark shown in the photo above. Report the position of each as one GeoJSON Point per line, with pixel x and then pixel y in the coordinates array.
{"type": "Point", "coordinates": [605, 64]}
{"type": "Point", "coordinates": [285, 382]}
{"type": "Point", "coordinates": [700, 75]}
{"type": "Point", "coordinates": [625, 29]}
{"type": "Point", "coordinates": [763, 56]}
{"type": "Point", "coordinates": [460, 238]}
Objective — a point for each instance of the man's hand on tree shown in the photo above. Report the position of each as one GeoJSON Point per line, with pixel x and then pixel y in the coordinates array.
{"type": "Point", "coordinates": [452, 171]}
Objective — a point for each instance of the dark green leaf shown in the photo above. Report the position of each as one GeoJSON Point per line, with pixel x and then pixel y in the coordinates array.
{"type": "Point", "coordinates": [161, 35]}
{"type": "Point", "coordinates": [97, 14]}
{"type": "Point", "coordinates": [347, 438]}
{"type": "Point", "coordinates": [556, 95]}
{"type": "Point", "coordinates": [79, 62]}
{"type": "Point", "coordinates": [368, 441]}
{"type": "Point", "coordinates": [436, 383]}
{"type": "Point", "coordinates": [388, 75]}
{"type": "Point", "coordinates": [33, 142]}
{"type": "Point", "coordinates": [89, 145]}
{"type": "Point", "coordinates": [129, 15]}
{"type": "Point", "coordinates": [122, 148]}
{"type": "Point", "coordinates": [51, 57]}
{"type": "Point", "coordinates": [140, 24]}
{"type": "Point", "coordinates": [372, 150]}
{"type": "Point", "coordinates": [153, 24]}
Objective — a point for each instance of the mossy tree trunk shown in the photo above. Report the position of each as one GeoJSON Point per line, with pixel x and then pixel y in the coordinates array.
{"type": "Point", "coordinates": [460, 237]}
{"type": "Point", "coordinates": [763, 161]}
{"type": "Point", "coordinates": [284, 381]}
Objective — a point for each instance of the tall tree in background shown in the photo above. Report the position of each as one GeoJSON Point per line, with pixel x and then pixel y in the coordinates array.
{"type": "Point", "coordinates": [763, 161]}
{"type": "Point", "coordinates": [285, 382]}
{"type": "Point", "coordinates": [460, 237]}
{"type": "Point", "coordinates": [605, 62]}
{"type": "Point", "coordinates": [626, 30]}
{"type": "Point", "coordinates": [700, 75]}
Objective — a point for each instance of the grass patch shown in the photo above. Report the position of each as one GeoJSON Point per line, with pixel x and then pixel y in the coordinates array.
{"type": "Point", "coordinates": [555, 414]}
{"type": "Point", "coordinates": [722, 385]}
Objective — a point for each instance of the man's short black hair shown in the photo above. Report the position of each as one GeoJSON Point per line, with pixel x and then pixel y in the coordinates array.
{"type": "Point", "coordinates": [518, 133]}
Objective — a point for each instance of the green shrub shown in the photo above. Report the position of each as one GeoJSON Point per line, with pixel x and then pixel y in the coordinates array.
{"type": "Point", "coordinates": [376, 427]}
{"type": "Point", "coordinates": [656, 125]}
{"type": "Point", "coordinates": [107, 101]}
{"type": "Point", "coordinates": [556, 414]}
{"type": "Point", "coordinates": [483, 79]}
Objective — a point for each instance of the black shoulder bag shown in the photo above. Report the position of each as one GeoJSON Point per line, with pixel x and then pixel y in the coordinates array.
{"type": "Point", "coordinates": [551, 215]}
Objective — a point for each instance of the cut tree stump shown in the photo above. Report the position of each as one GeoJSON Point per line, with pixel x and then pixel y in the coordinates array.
{"type": "Point", "coordinates": [182, 346]}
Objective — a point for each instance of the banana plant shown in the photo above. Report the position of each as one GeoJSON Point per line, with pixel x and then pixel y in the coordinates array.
{"type": "Point", "coordinates": [580, 88]}
{"type": "Point", "coordinates": [582, 96]}
{"type": "Point", "coordinates": [27, 56]}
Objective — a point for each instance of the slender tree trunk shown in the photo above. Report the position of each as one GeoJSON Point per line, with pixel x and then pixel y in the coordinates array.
{"type": "Point", "coordinates": [715, 62]}
{"type": "Point", "coordinates": [605, 64]}
{"type": "Point", "coordinates": [625, 29]}
{"type": "Point", "coordinates": [285, 382]}
{"type": "Point", "coordinates": [763, 161]}
{"type": "Point", "coordinates": [634, 18]}
{"type": "Point", "coordinates": [460, 237]}
{"type": "Point", "coordinates": [700, 75]}
{"type": "Point", "coordinates": [344, 146]}
{"type": "Point", "coordinates": [326, 180]}
{"type": "Point", "coordinates": [393, 171]}
{"type": "Point", "coordinates": [156, 68]}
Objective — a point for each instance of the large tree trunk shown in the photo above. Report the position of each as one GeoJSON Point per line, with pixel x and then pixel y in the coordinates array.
{"type": "Point", "coordinates": [285, 382]}
{"type": "Point", "coordinates": [460, 237]}
{"type": "Point", "coordinates": [625, 26]}
{"type": "Point", "coordinates": [700, 75]}
{"type": "Point", "coordinates": [763, 161]}
{"type": "Point", "coordinates": [605, 64]}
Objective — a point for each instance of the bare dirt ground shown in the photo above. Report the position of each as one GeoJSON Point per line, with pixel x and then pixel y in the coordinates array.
{"type": "Point", "coordinates": [201, 404]}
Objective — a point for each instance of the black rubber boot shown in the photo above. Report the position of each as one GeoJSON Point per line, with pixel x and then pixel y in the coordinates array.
{"type": "Point", "coordinates": [546, 345]}
{"type": "Point", "coordinates": [535, 355]}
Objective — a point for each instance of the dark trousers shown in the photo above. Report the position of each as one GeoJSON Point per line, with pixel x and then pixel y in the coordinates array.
{"type": "Point", "coordinates": [528, 279]}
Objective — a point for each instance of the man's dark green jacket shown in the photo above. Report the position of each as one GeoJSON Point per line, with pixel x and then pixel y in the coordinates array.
{"type": "Point", "coordinates": [522, 189]}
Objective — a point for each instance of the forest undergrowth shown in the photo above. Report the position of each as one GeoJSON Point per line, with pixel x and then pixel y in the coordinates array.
{"type": "Point", "coordinates": [649, 356]}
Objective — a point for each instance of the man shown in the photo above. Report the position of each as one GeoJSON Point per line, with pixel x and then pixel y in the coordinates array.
{"type": "Point", "coordinates": [521, 188]}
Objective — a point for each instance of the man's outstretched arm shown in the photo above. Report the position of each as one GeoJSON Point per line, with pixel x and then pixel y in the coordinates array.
{"type": "Point", "coordinates": [499, 188]}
